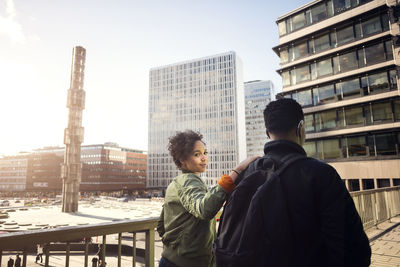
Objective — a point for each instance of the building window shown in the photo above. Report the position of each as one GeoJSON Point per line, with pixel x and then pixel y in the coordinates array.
{"type": "Point", "coordinates": [345, 35]}
{"type": "Point", "coordinates": [318, 13]}
{"type": "Point", "coordinates": [284, 55]}
{"type": "Point", "coordinates": [298, 21]}
{"type": "Point", "coordinates": [357, 146]}
{"type": "Point", "coordinates": [309, 123]}
{"type": "Point", "coordinates": [309, 148]}
{"type": "Point", "coordinates": [389, 50]}
{"type": "Point", "coordinates": [354, 185]}
{"type": "Point", "coordinates": [300, 74]}
{"type": "Point", "coordinates": [298, 51]}
{"type": "Point", "coordinates": [329, 149]}
{"type": "Point", "coordinates": [371, 26]}
{"type": "Point", "coordinates": [324, 94]}
{"type": "Point", "coordinates": [354, 116]}
{"type": "Point", "coordinates": [321, 43]}
{"type": "Point", "coordinates": [385, 144]}
{"type": "Point", "coordinates": [348, 61]}
{"type": "Point", "coordinates": [324, 67]}
{"type": "Point", "coordinates": [368, 184]}
{"type": "Point", "coordinates": [304, 98]}
{"type": "Point", "coordinates": [383, 183]}
{"type": "Point", "coordinates": [374, 54]}
{"type": "Point", "coordinates": [382, 112]}
{"type": "Point", "coordinates": [396, 105]}
{"type": "Point", "coordinates": [378, 82]}
{"type": "Point", "coordinates": [282, 27]}
{"type": "Point", "coordinates": [285, 78]}
{"type": "Point", "coordinates": [348, 89]}
{"type": "Point", "coordinates": [325, 120]}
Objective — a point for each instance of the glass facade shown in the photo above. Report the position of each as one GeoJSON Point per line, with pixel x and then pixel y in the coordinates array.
{"type": "Point", "coordinates": [350, 87]}
{"type": "Point", "coordinates": [315, 14]}
{"type": "Point", "coordinates": [371, 113]}
{"type": "Point", "coordinates": [362, 145]}
{"type": "Point", "coordinates": [339, 63]}
{"type": "Point", "coordinates": [257, 96]}
{"type": "Point", "coordinates": [204, 95]}
{"type": "Point", "coordinates": [335, 37]}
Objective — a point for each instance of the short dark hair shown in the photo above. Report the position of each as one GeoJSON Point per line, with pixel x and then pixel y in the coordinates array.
{"type": "Point", "coordinates": [181, 145]}
{"type": "Point", "coordinates": [282, 115]}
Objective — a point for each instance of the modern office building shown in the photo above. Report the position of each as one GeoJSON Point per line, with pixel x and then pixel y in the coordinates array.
{"type": "Point", "coordinates": [257, 96]}
{"type": "Point", "coordinates": [340, 61]}
{"type": "Point", "coordinates": [13, 173]}
{"type": "Point", "coordinates": [109, 167]}
{"type": "Point", "coordinates": [105, 167]}
{"type": "Point", "coordinates": [44, 169]}
{"type": "Point", "coordinates": [204, 95]}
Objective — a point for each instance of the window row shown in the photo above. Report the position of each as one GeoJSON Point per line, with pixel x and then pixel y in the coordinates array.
{"type": "Point", "coordinates": [335, 38]}
{"type": "Point", "coordinates": [354, 116]}
{"type": "Point", "coordinates": [315, 14]}
{"type": "Point", "coordinates": [339, 63]}
{"type": "Point", "coordinates": [345, 89]}
{"type": "Point", "coordinates": [366, 145]}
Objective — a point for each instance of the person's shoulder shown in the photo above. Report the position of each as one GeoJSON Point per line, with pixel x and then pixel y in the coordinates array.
{"type": "Point", "coordinates": [318, 165]}
{"type": "Point", "coordinates": [188, 179]}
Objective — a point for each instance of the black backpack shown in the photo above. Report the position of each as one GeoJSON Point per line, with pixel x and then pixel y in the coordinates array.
{"type": "Point", "coordinates": [245, 237]}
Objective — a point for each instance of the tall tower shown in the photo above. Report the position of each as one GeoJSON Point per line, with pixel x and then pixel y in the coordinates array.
{"type": "Point", "coordinates": [204, 95]}
{"type": "Point", "coordinates": [257, 96]}
{"type": "Point", "coordinates": [71, 170]}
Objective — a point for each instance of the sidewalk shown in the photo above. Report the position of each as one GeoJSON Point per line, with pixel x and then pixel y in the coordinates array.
{"type": "Point", "coordinates": [385, 244]}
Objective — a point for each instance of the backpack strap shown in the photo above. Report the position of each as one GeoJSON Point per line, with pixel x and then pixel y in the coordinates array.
{"type": "Point", "coordinates": [287, 161]}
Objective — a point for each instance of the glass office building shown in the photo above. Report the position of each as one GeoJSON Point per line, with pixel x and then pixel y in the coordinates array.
{"type": "Point", "coordinates": [204, 95]}
{"type": "Point", "coordinates": [257, 95]}
{"type": "Point", "coordinates": [339, 60]}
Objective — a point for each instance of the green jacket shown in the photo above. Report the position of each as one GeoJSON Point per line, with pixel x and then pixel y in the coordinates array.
{"type": "Point", "coordinates": [187, 221]}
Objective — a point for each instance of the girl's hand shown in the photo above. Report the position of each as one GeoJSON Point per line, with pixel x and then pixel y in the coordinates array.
{"type": "Point", "coordinates": [241, 167]}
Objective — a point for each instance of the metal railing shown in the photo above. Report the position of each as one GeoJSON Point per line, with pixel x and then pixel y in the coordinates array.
{"type": "Point", "coordinates": [377, 205]}
{"type": "Point", "coordinates": [374, 207]}
{"type": "Point", "coordinates": [24, 241]}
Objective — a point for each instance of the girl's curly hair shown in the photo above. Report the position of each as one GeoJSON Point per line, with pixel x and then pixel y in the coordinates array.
{"type": "Point", "coordinates": [181, 145]}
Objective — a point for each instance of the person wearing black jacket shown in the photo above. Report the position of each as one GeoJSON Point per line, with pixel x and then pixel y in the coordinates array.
{"type": "Point", "coordinates": [327, 230]}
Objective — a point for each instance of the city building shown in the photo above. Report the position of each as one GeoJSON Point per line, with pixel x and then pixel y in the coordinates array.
{"type": "Point", "coordinates": [257, 96]}
{"type": "Point", "coordinates": [13, 173]}
{"type": "Point", "coordinates": [204, 95]}
{"type": "Point", "coordinates": [105, 167]}
{"type": "Point", "coordinates": [109, 167]}
{"type": "Point", "coordinates": [44, 169]}
{"type": "Point", "coordinates": [340, 61]}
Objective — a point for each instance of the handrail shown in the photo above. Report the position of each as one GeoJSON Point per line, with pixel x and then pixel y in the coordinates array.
{"type": "Point", "coordinates": [20, 241]}
{"type": "Point", "coordinates": [384, 189]}
{"type": "Point", "coordinates": [377, 205]}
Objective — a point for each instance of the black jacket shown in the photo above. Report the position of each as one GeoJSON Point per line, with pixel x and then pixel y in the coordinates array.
{"type": "Point", "coordinates": [326, 226]}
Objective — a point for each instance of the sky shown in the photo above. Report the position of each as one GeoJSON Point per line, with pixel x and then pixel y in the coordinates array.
{"type": "Point", "coordinates": [123, 39]}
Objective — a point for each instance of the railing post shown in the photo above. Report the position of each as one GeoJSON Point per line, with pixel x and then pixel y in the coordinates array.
{"type": "Point", "coordinates": [86, 251]}
{"type": "Point", "coordinates": [47, 254]}
{"type": "Point", "coordinates": [67, 255]}
{"type": "Point", "coordinates": [134, 250]}
{"type": "Point", "coordinates": [103, 258]}
{"type": "Point", "coordinates": [24, 258]}
{"type": "Point", "coordinates": [149, 252]}
{"type": "Point", "coordinates": [119, 248]}
{"type": "Point", "coordinates": [375, 208]}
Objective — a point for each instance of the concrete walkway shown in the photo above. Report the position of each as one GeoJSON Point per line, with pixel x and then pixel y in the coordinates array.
{"type": "Point", "coordinates": [386, 244]}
